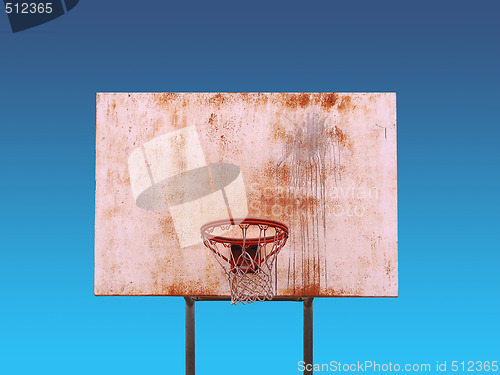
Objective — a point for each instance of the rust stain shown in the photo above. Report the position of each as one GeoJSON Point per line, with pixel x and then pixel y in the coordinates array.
{"type": "Point", "coordinates": [328, 100]}
{"type": "Point", "coordinates": [210, 283]}
{"type": "Point", "coordinates": [294, 101]}
{"type": "Point", "coordinates": [175, 118]}
{"type": "Point", "coordinates": [165, 99]}
{"type": "Point", "coordinates": [246, 97]}
{"type": "Point", "coordinates": [300, 200]}
{"type": "Point", "coordinates": [217, 100]}
{"type": "Point", "coordinates": [303, 100]}
{"type": "Point", "coordinates": [111, 213]}
{"type": "Point", "coordinates": [279, 132]}
{"type": "Point", "coordinates": [261, 99]}
{"type": "Point", "coordinates": [307, 155]}
{"type": "Point", "coordinates": [340, 135]}
{"type": "Point", "coordinates": [281, 203]}
{"type": "Point", "coordinates": [344, 292]}
{"type": "Point", "coordinates": [346, 105]}
{"type": "Point", "coordinates": [388, 268]}
{"type": "Point", "coordinates": [253, 99]}
{"type": "Point", "coordinates": [313, 291]}
{"type": "Point", "coordinates": [167, 226]}
{"type": "Point", "coordinates": [176, 290]}
{"type": "Point", "coordinates": [310, 289]}
{"type": "Point", "coordinates": [220, 132]}
{"type": "Point", "coordinates": [212, 119]}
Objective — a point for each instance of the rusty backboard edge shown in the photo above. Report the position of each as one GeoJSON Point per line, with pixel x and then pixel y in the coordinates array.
{"type": "Point", "coordinates": [228, 298]}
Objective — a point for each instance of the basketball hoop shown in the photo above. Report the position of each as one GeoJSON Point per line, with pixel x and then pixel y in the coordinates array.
{"type": "Point", "coordinates": [247, 249]}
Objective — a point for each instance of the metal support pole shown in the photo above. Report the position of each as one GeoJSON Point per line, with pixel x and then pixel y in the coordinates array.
{"type": "Point", "coordinates": [308, 335]}
{"type": "Point", "coordinates": [189, 335]}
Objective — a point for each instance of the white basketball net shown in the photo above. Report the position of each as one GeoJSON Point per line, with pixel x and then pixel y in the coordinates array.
{"type": "Point", "coordinates": [247, 250]}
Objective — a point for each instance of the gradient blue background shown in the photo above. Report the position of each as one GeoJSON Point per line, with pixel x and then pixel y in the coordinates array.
{"type": "Point", "coordinates": [442, 59]}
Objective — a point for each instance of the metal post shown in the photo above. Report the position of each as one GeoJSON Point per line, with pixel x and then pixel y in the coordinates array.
{"type": "Point", "coordinates": [189, 335]}
{"type": "Point", "coordinates": [308, 335]}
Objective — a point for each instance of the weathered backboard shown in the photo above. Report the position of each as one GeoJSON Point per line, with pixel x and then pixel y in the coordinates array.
{"type": "Point", "coordinates": [324, 164]}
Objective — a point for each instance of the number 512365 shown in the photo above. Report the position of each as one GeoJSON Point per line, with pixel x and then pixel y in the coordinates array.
{"type": "Point", "coordinates": [28, 8]}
